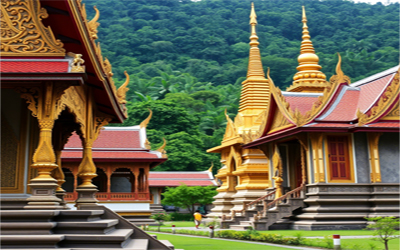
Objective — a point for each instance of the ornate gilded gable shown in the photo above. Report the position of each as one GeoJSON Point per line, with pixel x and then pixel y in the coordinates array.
{"type": "Point", "coordinates": [23, 33]}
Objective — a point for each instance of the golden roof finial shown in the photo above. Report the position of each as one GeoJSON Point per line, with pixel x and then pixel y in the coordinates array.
{"type": "Point", "coordinates": [121, 92]}
{"type": "Point", "coordinates": [146, 121]}
{"type": "Point", "coordinates": [340, 77]}
{"type": "Point", "coordinates": [255, 68]}
{"type": "Point", "coordinates": [309, 78]}
{"type": "Point", "coordinates": [93, 24]}
{"type": "Point", "coordinates": [210, 169]}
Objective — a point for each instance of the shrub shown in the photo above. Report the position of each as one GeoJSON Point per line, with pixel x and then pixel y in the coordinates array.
{"type": "Point", "coordinates": [181, 217]}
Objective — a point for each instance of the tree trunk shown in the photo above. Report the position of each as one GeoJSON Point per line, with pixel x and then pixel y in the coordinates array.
{"type": "Point", "coordinates": [386, 245]}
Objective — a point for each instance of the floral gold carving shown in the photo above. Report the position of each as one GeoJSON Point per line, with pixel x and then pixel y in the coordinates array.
{"type": "Point", "coordinates": [22, 31]}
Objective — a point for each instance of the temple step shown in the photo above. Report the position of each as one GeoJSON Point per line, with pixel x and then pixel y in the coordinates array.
{"type": "Point", "coordinates": [30, 241]}
{"type": "Point", "coordinates": [168, 244]}
{"type": "Point", "coordinates": [114, 239]}
{"type": "Point", "coordinates": [79, 215]}
{"type": "Point", "coordinates": [78, 227]}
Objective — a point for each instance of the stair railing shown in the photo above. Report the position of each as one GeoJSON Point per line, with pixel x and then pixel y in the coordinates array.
{"type": "Point", "coordinates": [295, 193]}
{"type": "Point", "coordinates": [256, 202]}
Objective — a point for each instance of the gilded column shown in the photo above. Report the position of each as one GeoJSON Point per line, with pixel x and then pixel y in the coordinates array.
{"type": "Point", "coordinates": [87, 169]}
{"type": "Point", "coordinates": [318, 159]}
{"type": "Point", "coordinates": [373, 142]}
{"type": "Point", "coordinates": [43, 104]}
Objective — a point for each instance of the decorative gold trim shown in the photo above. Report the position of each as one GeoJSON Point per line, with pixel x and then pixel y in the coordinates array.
{"type": "Point", "coordinates": [23, 33]}
{"type": "Point", "coordinates": [93, 24]}
{"type": "Point", "coordinates": [386, 100]}
{"type": "Point", "coordinates": [231, 131]}
{"type": "Point", "coordinates": [394, 114]}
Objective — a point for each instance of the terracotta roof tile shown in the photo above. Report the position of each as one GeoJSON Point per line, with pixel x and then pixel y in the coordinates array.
{"type": "Point", "coordinates": [302, 103]}
{"type": "Point", "coordinates": [370, 92]}
{"type": "Point", "coordinates": [385, 125]}
{"type": "Point", "coordinates": [185, 175]}
{"type": "Point", "coordinates": [346, 109]}
{"type": "Point", "coordinates": [110, 139]}
{"type": "Point", "coordinates": [34, 66]}
{"type": "Point", "coordinates": [175, 183]}
{"type": "Point", "coordinates": [330, 125]}
{"type": "Point", "coordinates": [109, 154]}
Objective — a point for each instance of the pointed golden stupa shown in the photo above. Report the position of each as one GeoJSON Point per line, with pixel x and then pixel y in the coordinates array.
{"type": "Point", "coordinates": [255, 89]}
{"type": "Point", "coordinates": [309, 78]}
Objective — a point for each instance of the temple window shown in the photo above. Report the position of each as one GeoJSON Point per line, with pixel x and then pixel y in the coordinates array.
{"type": "Point", "coordinates": [68, 186]}
{"type": "Point", "coordinates": [100, 181]}
{"type": "Point", "coordinates": [122, 180]}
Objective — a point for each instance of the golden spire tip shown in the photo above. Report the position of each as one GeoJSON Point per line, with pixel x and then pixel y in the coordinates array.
{"type": "Point", "coordinates": [253, 16]}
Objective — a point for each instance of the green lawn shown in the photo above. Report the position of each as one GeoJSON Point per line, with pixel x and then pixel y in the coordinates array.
{"type": "Point", "coordinates": [192, 243]}
{"type": "Point", "coordinates": [319, 233]}
{"type": "Point", "coordinates": [356, 244]}
{"type": "Point", "coordinates": [178, 224]}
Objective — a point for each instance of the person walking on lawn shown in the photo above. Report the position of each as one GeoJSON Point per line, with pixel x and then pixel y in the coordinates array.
{"type": "Point", "coordinates": [197, 218]}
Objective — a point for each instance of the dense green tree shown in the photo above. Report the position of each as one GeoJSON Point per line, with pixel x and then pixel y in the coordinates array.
{"type": "Point", "coordinates": [186, 197]}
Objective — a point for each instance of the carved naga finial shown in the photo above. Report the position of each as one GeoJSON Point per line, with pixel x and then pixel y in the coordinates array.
{"type": "Point", "coordinates": [162, 149]}
{"type": "Point", "coordinates": [146, 121]}
{"type": "Point", "coordinates": [76, 64]}
{"type": "Point", "coordinates": [93, 24]}
{"type": "Point", "coordinates": [340, 77]}
{"type": "Point", "coordinates": [212, 165]}
{"type": "Point", "coordinates": [121, 92]}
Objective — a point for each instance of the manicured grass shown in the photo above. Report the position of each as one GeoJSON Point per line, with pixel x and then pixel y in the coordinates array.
{"type": "Point", "coordinates": [197, 243]}
{"type": "Point", "coordinates": [367, 243]}
{"type": "Point", "coordinates": [178, 224]}
{"type": "Point", "coordinates": [319, 233]}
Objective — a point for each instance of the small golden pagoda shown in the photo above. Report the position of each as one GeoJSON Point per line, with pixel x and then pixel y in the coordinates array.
{"type": "Point", "coordinates": [245, 171]}
{"type": "Point", "coordinates": [309, 78]}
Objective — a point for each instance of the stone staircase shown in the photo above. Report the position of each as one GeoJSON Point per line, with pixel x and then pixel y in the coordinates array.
{"type": "Point", "coordinates": [267, 213]}
{"type": "Point", "coordinates": [95, 227]}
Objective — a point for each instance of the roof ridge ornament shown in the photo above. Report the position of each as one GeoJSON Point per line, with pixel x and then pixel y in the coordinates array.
{"type": "Point", "coordinates": [340, 77]}
{"type": "Point", "coordinates": [93, 24]}
{"type": "Point", "coordinates": [309, 78]}
{"type": "Point", "coordinates": [146, 121]}
{"type": "Point", "coordinates": [162, 149]}
{"type": "Point", "coordinates": [212, 165]}
{"type": "Point", "coordinates": [23, 33]}
{"type": "Point", "coordinates": [121, 92]}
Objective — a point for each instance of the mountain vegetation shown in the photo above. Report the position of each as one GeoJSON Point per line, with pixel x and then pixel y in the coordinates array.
{"type": "Point", "coordinates": [187, 59]}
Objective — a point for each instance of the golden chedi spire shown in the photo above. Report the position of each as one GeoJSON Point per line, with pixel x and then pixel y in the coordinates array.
{"type": "Point", "coordinates": [309, 78]}
{"type": "Point", "coordinates": [255, 89]}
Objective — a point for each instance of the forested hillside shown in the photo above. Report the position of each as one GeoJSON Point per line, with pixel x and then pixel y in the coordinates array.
{"type": "Point", "coordinates": [187, 59]}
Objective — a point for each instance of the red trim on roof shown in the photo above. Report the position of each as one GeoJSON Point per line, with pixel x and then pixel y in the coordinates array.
{"type": "Point", "coordinates": [34, 67]}
{"type": "Point", "coordinates": [188, 175]}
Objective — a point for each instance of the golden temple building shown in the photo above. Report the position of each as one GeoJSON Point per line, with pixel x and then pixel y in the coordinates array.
{"type": "Point", "coordinates": [321, 155]}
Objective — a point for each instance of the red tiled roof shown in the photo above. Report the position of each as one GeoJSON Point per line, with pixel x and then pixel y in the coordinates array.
{"type": "Point", "coordinates": [110, 139]}
{"type": "Point", "coordinates": [175, 183]}
{"type": "Point", "coordinates": [34, 66]}
{"type": "Point", "coordinates": [302, 103]}
{"type": "Point", "coordinates": [370, 92]}
{"type": "Point", "coordinates": [174, 179]}
{"type": "Point", "coordinates": [346, 109]}
{"type": "Point", "coordinates": [185, 175]}
{"type": "Point", "coordinates": [385, 125]}
{"type": "Point", "coordinates": [109, 155]}
{"type": "Point", "coordinates": [330, 125]}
